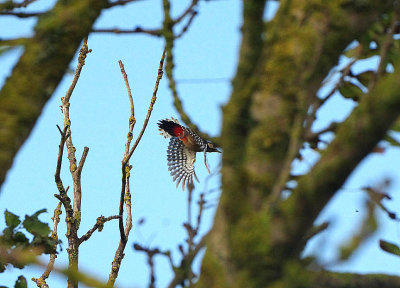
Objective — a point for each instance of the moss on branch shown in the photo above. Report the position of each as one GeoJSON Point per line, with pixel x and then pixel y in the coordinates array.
{"type": "Point", "coordinates": [41, 67]}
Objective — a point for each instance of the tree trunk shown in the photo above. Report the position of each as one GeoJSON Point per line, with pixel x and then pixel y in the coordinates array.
{"type": "Point", "coordinates": [257, 236]}
{"type": "Point", "coordinates": [46, 57]}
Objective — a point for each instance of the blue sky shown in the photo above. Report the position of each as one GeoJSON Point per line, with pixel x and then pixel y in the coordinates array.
{"type": "Point", "coordinates": [99, 113]}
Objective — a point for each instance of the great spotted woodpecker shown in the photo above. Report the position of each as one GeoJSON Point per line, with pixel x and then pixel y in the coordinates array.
{"type": "Point", "coordinates": [182, 149]}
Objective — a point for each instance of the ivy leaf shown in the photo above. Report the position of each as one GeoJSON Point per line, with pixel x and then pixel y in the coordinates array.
{"type": "Point", "coordinates": [12, 220]}
{"type": "Point", "coordinates": [36, 227]}
{"type": "Point", "coordinates": [389, 247]}
{"type": "Point", "coordinates": [21, 282]}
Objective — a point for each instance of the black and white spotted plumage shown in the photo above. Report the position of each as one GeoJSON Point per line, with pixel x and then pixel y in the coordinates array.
{"type": "Point", "coordinates": [181, 162]}
{"type": "Point", "coordinates": [181, 154]}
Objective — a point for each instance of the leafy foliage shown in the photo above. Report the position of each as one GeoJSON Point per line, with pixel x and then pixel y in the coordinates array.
{"type": "Point", "coordinates": [389, 247]}
{"type": "Point", "coordinates": [15, 240]}
{"type": "Point", "coordinates": [21, 282]}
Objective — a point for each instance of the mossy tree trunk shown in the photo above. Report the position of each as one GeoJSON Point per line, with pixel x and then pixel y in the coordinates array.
{"type": "Point", "coordinates": [257, 236]}
{"type": "Point", "coordinates": [45, 60]}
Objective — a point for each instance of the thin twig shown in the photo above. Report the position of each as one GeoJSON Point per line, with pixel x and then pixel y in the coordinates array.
{"type": "Point", "coordinates": [319, 102]}
{"type": "Point", "coordinates": [63, 197]}
{"type": "Point", "coordinates": [126, 167]}
{"type": "Point", "coordinates": [120, 3]}
{"type": "Point", "coordinates": [313, 138]}
{"type": "Point", "coordinates": [125, 187]}
{"type": "Point", "coordinates": [137, 30]}
{"type": "Point", "coordinates": [81, 62]}
{"type": "Point", "coordinates": [168, 25]}
{"type": "Point", "coordinates": [21, 14]}
{"type": "Point", "coordinates": [150, 256]}
{"type": "Point", "coordinates": [188, 24]}
{"type": "Point", "coordinates": [82, 161]}
{"type": "Point", "coordinates": [98, 226]}
{"type": "Point", "coordinates": [14, 41]}
{"type": "Point", "coordinates": [153, 100]}
{"type": "Point", "coordinates": [64, 136]}
{"type": "Point", "coordinates": [189, 228]}
{"type": "Point", "coordinates": [386, 45]}
{"type": "Point", "coordinates": [189, 10]}
{"type": "Point", "coordinates": [41, 282]}
{"type": "Point", "coordinates": [73, 221]}
{"type": "Point", "coordinates": [7, 6]}
{"type": "Point", "coordinates": [153, 32]}
{"type": "Point", "coordinates": [74, 169]}
{"type": "Point", "coordinates": [181, 271]}
{"type": "Point", "coordinates": [132, 120]}
{"type": "Point", "coordinates": [316, 230]}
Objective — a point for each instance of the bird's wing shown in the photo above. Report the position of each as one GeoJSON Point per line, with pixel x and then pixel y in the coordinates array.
{"type": "Point", "coordinates": [181, 162]}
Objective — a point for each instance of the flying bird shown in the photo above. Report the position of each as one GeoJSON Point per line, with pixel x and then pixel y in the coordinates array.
{"type": "Point", "coordinates": [182, 149]}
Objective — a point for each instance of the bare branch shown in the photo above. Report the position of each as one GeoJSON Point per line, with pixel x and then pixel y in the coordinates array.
{"type": "Point", "coordinates": [82, 161]}
{"type": "Point", "coordinates": [81, 62]}
{"type": "Point", "coordinates": [125, 187]}
{"type": "Point", "coordinates": [125, 167]}
{"type": "Point", "coordinates": [13, 42]}
{"type": "Point", "coordinates": [186, 27]}
{"type": "Point", "coordinates": [386, 45]}
{"type": "Point", "coordinates": [8, 5]}
{"type": "Point", "coordinates": [169, 69]}
{"type": "Point", "coordinates": [73, 220]}
{"type": "Point", "coordinates": [153, 100]}
{"type": "Point", "coordinates": [98, 226]}
{"type": "Point", "coordinates": [46, 72]}
{"type": "Point", "coordinates": [319, 102]}
{"type": "Point", "coordinates": [132, 120]}
{"type": "Point", "coordinates": [63, 197]}
{"type": "Point", "coordinates": [313, 138]}
{"type": "Point", "coordinates": [41, 282]}
{"type": "Point", "coordinates": [316, 230]}
{"type": "Point", "coordinates": [21, 14]}
{"type": "Point", "coordinates": [189, 10]}
{"type": "Point", "coordinates": [153, 32]}
{"type": "Point", "coordinates": [182, 271]}
{"type": "Point", "coordinates": [74, 169]}
{"type": "Point", "coordinates": [120, 3]}
{"type": "Point", "coordinates": [150, 255]}
{"type": "Point", "coordinates": [64, 136]}
{"type": "Point", "coordinates": [137, 30]}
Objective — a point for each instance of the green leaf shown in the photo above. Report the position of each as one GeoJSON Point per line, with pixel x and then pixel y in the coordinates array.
{"type": "Point", "coordinates": [12, 220]}
{"type": "Point", "coordinates": [34, 226]}
{"type": "Point", "coordinates": [365, 77]}
{"type": "Point", "coordinates": [20, 238]}
{"type": "Point", "coordinates": [389, 247]}
{"type": "Point", "coordinates": [365, 53]}
{"type": "Point", "coordinates": [350, 91]}
{"type": "Point", "coordinates": [21, 282]}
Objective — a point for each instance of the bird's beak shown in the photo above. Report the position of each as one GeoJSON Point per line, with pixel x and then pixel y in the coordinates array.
{"type": "Point", "coordinates": [218, 150]}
